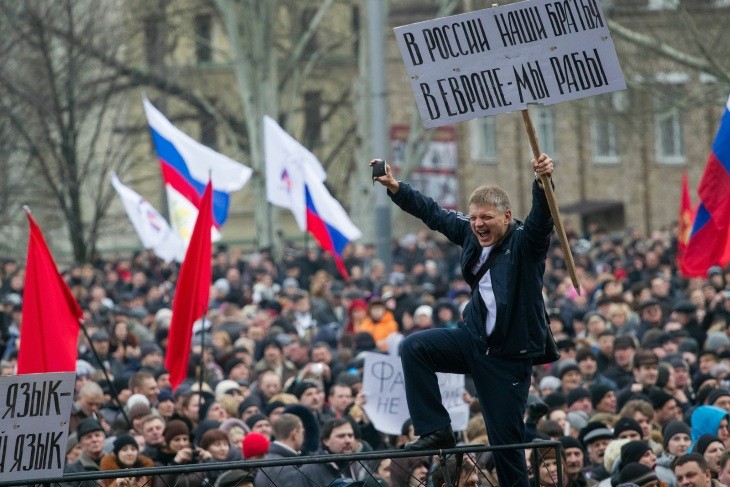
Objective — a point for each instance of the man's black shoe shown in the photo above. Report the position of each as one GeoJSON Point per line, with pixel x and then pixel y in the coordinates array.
{"type": "Point", "coordinates": [438, 440]}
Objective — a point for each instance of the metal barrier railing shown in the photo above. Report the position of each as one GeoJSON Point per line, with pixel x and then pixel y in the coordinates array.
{"type": "Point", "coordinates": [466, 457]}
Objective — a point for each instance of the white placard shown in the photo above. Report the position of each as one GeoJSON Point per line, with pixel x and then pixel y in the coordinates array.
{"type": "Point", "coordinates": [385, 395]}
{"type": "Point", "coordinates": [34, 414]}
{"type": "Point", "coordinates": [501, 59]}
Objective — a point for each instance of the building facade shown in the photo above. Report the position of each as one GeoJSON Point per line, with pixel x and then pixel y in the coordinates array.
{"type": "Point", "coordinates": [619, 157]}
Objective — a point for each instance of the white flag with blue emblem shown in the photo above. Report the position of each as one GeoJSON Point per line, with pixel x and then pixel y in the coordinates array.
{"type": "Point", "coordinates": [152, 229]}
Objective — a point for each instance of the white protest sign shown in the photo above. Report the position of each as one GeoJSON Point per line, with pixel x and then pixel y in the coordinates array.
{"type": "Point", "coordinates": [34, 414]}
{"type": "Point", "coordinates": [501, 59]}
{"type": "Point", "coordinates": [385, 395]}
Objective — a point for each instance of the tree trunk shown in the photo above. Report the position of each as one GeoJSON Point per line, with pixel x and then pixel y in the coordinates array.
{"type": "Point", "coordinates": [248, 25]}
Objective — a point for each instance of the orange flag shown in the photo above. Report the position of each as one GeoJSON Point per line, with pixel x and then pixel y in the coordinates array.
{"type": "Point", "coordinates": [686, 214]}
{"type": "Point", "coordinates": [51, 315]}
{"type": "Point", "coordinates": [192, 292]}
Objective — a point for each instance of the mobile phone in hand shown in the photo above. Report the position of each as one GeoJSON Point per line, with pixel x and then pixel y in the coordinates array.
{"type": "Point", "coordinates": [379, 168]}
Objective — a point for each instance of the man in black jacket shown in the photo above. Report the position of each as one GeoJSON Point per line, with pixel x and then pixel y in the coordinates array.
{"type": "Point", "coordinates": [338, 437]}
{"type": "Point", "coordinates": [289, 431]}
{"type": "Point", "coordinates": [91, 437]}
{"type": "Point", "coordinates": [505, 322]}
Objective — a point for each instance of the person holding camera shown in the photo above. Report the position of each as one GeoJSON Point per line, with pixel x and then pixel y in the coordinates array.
{"type": "Point", "coordinates": [718, 310]}
{"type": "Point", "coordinates": [505, 321]}
{"type": "Point", "coordinates": [179, 451]}
{"type": "Point", "coordinates": [125, 455]}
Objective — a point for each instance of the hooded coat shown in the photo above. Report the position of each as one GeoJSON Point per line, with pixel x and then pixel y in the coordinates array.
{"type": "Point", "coordinates": [706, 420]}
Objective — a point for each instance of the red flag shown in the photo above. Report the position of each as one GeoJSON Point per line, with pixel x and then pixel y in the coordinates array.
{"type": "Point", "coordinates": [192, 292]}
{"type": "Point", "coordinates": [684, 225]}
{"type": "Point", "coordinates": [51, 315]}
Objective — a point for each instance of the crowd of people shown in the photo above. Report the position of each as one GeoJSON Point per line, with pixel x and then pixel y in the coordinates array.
{"type": "Point", "coordinates": [641, 392]}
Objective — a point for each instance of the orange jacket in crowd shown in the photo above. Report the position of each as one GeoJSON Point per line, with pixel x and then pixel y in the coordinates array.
{"type": "Point", "coordinates": [379, 330]}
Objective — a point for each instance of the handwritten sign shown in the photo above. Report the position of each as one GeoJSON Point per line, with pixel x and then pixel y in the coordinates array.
{"type": "Point", "coordinates": [384, 388]}
{"type": "Point", "coordinates": [501, 59]}
{"type": "Point", "coordinates": [34, 415]}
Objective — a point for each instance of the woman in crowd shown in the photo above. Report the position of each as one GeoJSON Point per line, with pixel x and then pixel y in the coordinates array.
{"type": "Point", "coordinates": [125, 455]}
{"type": "Point", "coordinates": [357, 311]}
{"type": "Point", "coordinates": [235, 429]}
{"type": "Point", "coordinates": [216, 443]}
{"type": "Point", "coordinates": [549, 468]}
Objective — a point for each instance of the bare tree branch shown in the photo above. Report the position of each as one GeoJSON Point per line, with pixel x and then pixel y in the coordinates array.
{"type": "Point", "coordinates": [666, 50]}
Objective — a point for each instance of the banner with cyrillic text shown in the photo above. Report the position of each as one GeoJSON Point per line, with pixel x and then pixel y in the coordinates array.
{"type": "Point", "coordinates": [385, 395]}
{"type": "Point", "coordinates": [34, 415]}
{"type": "Point", "coordinates": [501, 59]}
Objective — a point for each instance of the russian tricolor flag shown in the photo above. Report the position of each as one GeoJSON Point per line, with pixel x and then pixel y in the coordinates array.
{"type": "Point", "coordinates": [328, 222]}
{"type": "Point", "coordinates": [295, 180]}
{"type": "Point", "coordinates": [709, 243]}
{"type": "Point", "coordinates": [186, 166]}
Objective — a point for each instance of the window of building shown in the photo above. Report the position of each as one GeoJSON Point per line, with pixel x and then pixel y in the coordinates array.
{"type": "Point", "coordinates": [484, 139]}
{"type": "Point", "coordinates": [543, 119]}
{"type": "Point", "coordinates": [154, 42]}
{"type": "Point", "coordinates": [603, 129]}
{"type": "Point", "coordinates": [203, 37]}
{"type": "Point", "coordinates": [312, 118]}
{"type": "Point", "coordinates": [208, 130]}
{"type": "Point", "coordinates": [668, 130]}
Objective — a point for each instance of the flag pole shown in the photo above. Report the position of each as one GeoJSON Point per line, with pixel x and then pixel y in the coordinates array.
{"type": "Point", "coordinates": [115, 394]}
{"type": "Point", "coordinates": [552, 203]}
{"type": "Point", "coordinates": [202, 362]}
{"type": "Point", "coordinates": [202, 333]}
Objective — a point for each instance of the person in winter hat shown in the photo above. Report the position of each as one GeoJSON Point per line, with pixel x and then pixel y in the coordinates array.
{"type": "Point", "coordinates": [255, 446]}
{"type": "Point", "coordinates": [711, 448]}
{"type": "Point", "coordinates": [124, 456]}
{"type": "Point", "coordinates": [637, 473]}
{"type": "Point", "coordinates": [677, 440]}
{"type": "Point", "coordinates": [90, 434]}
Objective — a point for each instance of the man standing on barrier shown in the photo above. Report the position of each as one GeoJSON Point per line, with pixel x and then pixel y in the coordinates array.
{"type": "Point", "coordinates": [504, 326]}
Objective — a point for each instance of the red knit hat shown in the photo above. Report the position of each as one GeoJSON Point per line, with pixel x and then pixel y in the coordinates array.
{"type": "Point", "coordinates": [254, 444]}
{"type": "Point", "coordinates": [357, 304]}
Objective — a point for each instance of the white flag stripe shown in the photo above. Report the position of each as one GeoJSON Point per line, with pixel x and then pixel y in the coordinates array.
{"type": "Point", "coordinates": [227, 175]}
{"type": "Point", "coordinates": [328, 208]}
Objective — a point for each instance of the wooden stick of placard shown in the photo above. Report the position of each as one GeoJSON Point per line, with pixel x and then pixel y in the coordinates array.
{"type": "Point", "coordinates": [552, 203]}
